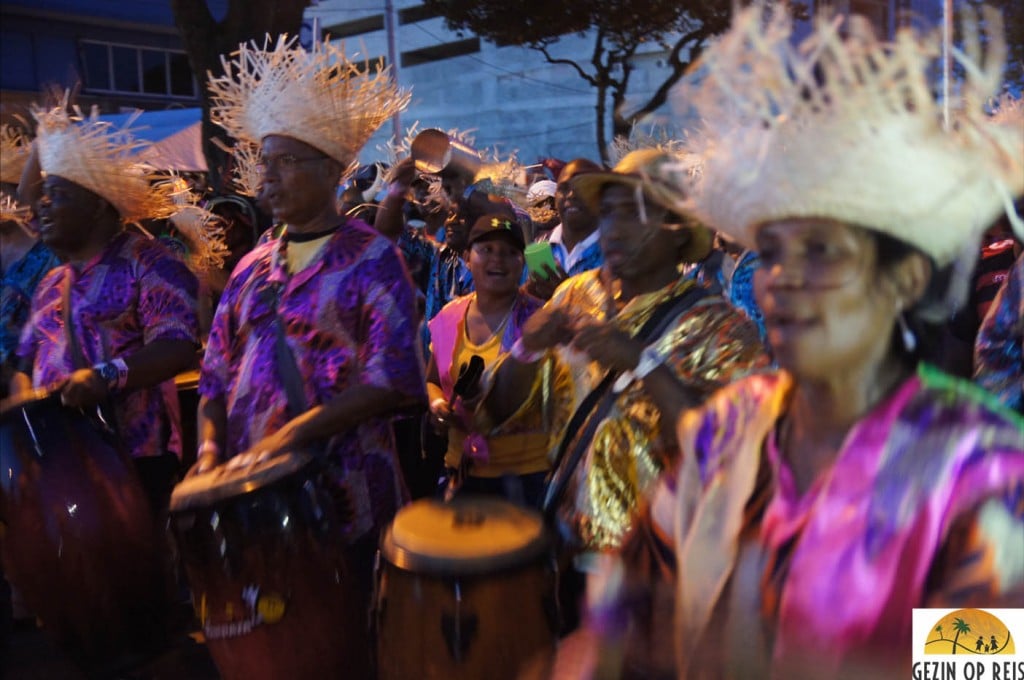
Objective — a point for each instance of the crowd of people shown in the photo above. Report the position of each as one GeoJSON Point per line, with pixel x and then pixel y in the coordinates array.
{"type": "Point", "coordinates": [733, 381]}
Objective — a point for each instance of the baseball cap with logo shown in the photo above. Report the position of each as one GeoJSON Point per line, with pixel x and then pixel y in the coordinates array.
{"type": "Point", "coordinates": [494, 226]}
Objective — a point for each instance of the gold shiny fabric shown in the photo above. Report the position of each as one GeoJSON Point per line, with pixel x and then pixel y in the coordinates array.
{"type": "Point", "coordinates": [709, 345]}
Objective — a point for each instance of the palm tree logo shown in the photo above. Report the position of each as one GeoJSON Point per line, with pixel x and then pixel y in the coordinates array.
{"type": "Point", "coordinates": [969, 623]}
{"type": "Point", "coordinates": [960, 626]}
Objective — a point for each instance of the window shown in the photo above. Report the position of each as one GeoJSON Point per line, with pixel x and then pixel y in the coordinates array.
{"type": "Point", "coordinates": [411, 15]}
{"type": "Point", "coordinates": [111, 67]}
{"type": "Point", "coordinates": [357, 27]}
{"type": "Point", "coordinates": [154, 71]}
{"type": "Point", "coordinates": [439, 52]}
{"type": "Point", "coordinates": [96, 65]}
{"type": "Point", "coordinates": [371, 66]}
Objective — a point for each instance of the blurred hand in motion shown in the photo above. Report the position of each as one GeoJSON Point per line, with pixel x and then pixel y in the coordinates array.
{"type": "Point", "coordinates": [543, 288]}
{"type": "Point", "coordinates": [402, 173]}
{"type": "Point", "coordinates": [547, 328]}
{"type": "Point", "coordinates": [83, 388]}
{"type": "Point", "coordinates": [440, 415]}
{"type": "Point", "coordinates": [608, 345]}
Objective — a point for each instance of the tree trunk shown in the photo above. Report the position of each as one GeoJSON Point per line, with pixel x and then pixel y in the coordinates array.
{"type": "Point", "coordinates": [206, 39]}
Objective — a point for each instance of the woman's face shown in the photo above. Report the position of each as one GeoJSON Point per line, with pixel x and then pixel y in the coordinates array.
{"type": "Point", "coordinates": [496, 266]}
{"type": "Point", "coordinates": [827, 308]}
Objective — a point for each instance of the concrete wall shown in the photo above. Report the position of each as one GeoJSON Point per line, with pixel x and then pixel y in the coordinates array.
{"type": "Point", "coordinates": [510, 96]}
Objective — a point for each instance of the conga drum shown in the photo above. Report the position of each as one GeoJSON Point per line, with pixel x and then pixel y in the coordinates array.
{"type": "Point", "coordinates": [465, 590]}
{"type": "Point", "coordinates": [78, 538]}
{"type": "Point", "coordinates": [265, 560]}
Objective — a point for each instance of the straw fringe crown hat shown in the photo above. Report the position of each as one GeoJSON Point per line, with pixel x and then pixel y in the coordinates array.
{"type": "Point", "coordinates": [94, 154]}
{"type": "Point", "coordinates": [14, 150]}
{"type": "Point", "coordinates": [321, 98]}
{"type": "Point", "coordinates": [654, 172]}
{"type": "Point", "coordinates": [12, 211]}
{"type": "Point", "coordinates": [849, 129]}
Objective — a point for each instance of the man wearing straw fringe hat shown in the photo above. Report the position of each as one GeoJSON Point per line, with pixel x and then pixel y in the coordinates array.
{"type": "Point", "coordinates": [25, 258]}
{"type": "Point", "coordinates": [334, 289]}
{"type": "Point", "coordinates": [117, 321]}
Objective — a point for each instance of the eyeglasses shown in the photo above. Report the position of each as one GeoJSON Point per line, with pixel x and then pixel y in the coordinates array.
{"type": "Point", "coordinates": [285, 162]}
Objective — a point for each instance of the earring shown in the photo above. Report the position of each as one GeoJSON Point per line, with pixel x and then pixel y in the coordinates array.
{"type": "Point", "coordinates": [906, 335]}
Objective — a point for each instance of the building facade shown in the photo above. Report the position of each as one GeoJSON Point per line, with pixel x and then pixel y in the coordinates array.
{"type": "Point", "coordinates": [510, 97]}
{"type": "Point", "coordinates": [121, 55]}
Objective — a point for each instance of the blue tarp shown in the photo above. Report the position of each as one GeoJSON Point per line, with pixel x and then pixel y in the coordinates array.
{"type": "Point", "coordinates": [175, 135]}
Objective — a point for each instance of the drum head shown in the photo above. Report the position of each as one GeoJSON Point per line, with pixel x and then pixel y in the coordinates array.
{"type": "Point", "coordinates": [470, 535]}
{"type": "Point", "coordinates": [240, 475]}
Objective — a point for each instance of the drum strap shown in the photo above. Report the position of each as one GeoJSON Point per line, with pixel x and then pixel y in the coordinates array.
{"type": "Point", "coordinates": [287, 369]}
{"type": "Point", "coordinates": [595, 406]}
{"type": "Point", "coordinates": [77, 357]}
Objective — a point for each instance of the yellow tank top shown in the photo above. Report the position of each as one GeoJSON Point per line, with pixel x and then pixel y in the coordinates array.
{"type": "Point", "coordinates": [516, 454]}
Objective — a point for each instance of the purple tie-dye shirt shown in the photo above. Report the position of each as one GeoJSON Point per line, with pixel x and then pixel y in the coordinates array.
{"type": "Point", "coordinates": [350, 319]}
{"type": "Point", "coordinates": [133, 293]}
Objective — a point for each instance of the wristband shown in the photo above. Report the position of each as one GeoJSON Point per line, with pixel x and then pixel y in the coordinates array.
{"type": "Point", "coordinates": [107, 372]}
{"type": "Point", "coordinates": [650, 359]}
{"type": "Point", "coordinates": [523, 355]}
{"type": "Point", "coordinates": [122, 372]}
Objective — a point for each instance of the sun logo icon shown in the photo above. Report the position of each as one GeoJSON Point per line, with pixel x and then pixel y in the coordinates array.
{"type": "Point", "coordinates": [969, 631]}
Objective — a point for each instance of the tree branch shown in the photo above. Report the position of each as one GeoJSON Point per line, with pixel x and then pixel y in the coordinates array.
{"type": "Point", "coordinates": [660, 96]}
{"type": "Point", "coordinates": [569, 62]}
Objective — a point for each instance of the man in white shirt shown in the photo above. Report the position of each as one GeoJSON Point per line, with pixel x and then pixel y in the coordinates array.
{"type": "Point", "coordinates": [573, 242]}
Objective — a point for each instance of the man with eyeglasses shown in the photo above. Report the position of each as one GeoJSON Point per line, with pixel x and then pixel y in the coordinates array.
{"type": "Point", "coordinates": [314, 342]}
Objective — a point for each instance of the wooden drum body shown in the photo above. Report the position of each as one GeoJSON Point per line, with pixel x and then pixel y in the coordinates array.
{"type": "Point", "coordinates": [266, 564]}
{"type": "Point", "coordinates": [78, 538]}
{"type": "Point", "coordinates": [466, 590]}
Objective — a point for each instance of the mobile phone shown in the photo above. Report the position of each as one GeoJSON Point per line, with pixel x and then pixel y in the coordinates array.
{"type": "Point", "coordinates": [538, 255]}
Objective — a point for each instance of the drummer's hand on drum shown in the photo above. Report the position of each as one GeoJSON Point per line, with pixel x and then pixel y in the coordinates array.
{"type": "Point", "coordinates": [207, 458]}
{"type": "Point", "coordinates": [83, 388]}
{"type": "Point", "coordinates": [284, 440]}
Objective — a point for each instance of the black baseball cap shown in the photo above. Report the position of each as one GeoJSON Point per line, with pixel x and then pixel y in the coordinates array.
{"type": "Point", "coordinates": [494, 226]}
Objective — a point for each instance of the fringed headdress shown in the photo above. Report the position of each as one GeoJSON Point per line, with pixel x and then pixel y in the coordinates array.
{"type": "Point", "coordinates": [321, 97]}
{"type": "Point", "coordinates": [202, 230]}
{"type": "Point", "coordinates": [12, 211]}
{"type": "Point", "coordinates": [14, 150]}
{"type": "Point", "coordinates": [245, 166]}
{"type": "Point", "coordinates": [94, 154]}
{"type": "Point", "coordinates": [659, 139]}
{"type": "Point", "coordinates": [849, 129]}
